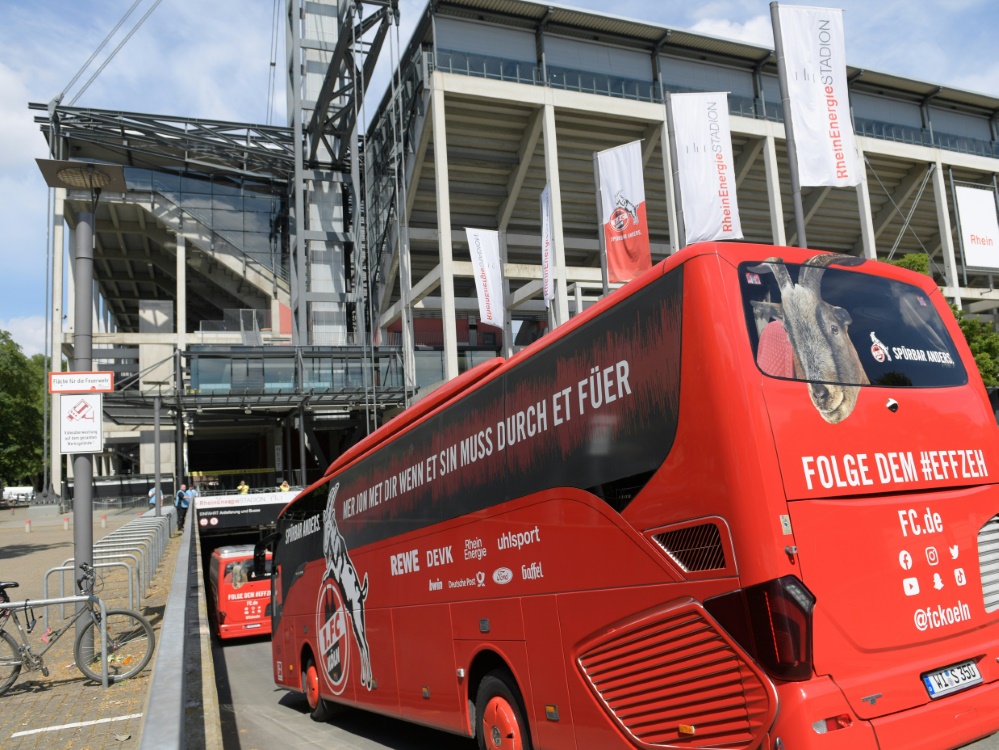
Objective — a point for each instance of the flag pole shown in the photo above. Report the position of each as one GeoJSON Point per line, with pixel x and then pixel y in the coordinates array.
{"type": "Point", "coordinates": [681, 229]}
{"type": "Point", "coordinates": [792, 152]}
{"type": "Point", "coordinates": [601, 220]}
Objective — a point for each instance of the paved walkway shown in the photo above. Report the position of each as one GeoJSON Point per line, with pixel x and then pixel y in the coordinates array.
{"type": "Point", "coordinates": [65, 710]}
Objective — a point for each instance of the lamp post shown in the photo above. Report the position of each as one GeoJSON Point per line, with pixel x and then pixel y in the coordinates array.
{"type": "Point", "coordinates": [95, 178]}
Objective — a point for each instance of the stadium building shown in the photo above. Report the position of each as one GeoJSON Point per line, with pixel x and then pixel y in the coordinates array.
{"type": "Point", "coordinates": [280, 291]}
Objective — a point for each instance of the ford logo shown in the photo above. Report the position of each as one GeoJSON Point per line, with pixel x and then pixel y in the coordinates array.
{"type": "Point", "coordinates": [502, 575]}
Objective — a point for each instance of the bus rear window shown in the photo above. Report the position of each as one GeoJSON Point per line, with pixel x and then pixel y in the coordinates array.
{"type": "Point", "coordinates": [825, 324]}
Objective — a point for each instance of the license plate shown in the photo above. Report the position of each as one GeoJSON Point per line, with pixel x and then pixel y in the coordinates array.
{"type": "Point", "coordinates": [948, 680]}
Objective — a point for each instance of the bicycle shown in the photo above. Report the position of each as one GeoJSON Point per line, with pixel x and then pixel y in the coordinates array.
{"type": "Point", "coordinates": [130, 638]}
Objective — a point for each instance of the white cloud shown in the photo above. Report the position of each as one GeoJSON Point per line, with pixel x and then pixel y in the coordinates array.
{"type": "Point", "coordinates": [29, 332]}
{"type": "Point", "coordinates": [757, 30]}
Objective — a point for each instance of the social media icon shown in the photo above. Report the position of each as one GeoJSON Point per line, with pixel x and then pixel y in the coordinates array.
{"type": "Point", "coordinates": [910, 586]}
{"type": "Point", "coordinates": [959, 576]}
{"type": "Point", "coordinates": [953, 552]}
{"type": "Point", "coordinates": [937, 581]}
{"type": "Point", "coordinates": [905, 560]}
{"type": "Point", "coordinates": [931, 556]}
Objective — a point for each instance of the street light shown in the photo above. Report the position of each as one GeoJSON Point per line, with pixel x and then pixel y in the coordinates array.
{"type": "Point", "coordinates": [95, 178]}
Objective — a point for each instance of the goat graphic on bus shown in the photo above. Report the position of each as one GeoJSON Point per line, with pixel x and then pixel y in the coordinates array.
{"type": "Point", "coordinates": [341, 597]}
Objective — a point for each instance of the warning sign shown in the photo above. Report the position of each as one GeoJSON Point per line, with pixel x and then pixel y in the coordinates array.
{"type": "Point", "coordinates": [81, 427]}
{"type": "Point", "coordinates": [81, 382]}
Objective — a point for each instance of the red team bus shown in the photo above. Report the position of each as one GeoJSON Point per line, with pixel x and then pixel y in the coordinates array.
{"type": "Point", "coordinates": [748, 500]}
{"type": "Point", "coordinates": [241, 601]}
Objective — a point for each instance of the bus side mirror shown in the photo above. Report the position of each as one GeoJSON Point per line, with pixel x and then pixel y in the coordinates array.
{"type": "Point", "coordinates": [260, 555]}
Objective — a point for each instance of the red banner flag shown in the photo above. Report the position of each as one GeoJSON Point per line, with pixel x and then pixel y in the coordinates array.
{"type": "Point", "coordinates": [622, 200]}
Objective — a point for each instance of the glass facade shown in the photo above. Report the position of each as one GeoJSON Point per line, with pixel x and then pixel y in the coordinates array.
{"type": "Point", "coordinates": [247, 220]}
{"type": "Point", "coordinates": [293, 371]}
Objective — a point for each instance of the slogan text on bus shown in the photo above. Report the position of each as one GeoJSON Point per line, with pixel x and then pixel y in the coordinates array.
{"type": "Point", "coordinates": [604, 386]}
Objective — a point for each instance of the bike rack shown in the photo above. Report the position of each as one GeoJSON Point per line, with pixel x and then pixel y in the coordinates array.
{"type": "Point", "coordinates": [62, 580]}
{"type": "Point", "coordinates": [145, 544]}
{"type": "Point", "coordinates": [28, 603]}
{"type": "Point", "coordinates": [110, 557]}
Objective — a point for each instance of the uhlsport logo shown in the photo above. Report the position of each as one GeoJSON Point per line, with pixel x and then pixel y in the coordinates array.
{"type": "Point", "coordinates": [331, 626]}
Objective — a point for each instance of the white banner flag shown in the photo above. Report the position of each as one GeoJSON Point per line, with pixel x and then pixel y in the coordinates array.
{"type": "Point", "coordinates": [483, 245]}
{"type": "Point", "coordinates": [815, 61]}
{"type": "Point", "coordinates": [622, 205]}
{"type": "Point", "coordinates": [704, 164]}
{"type": "Point", "coordinates": [547, 275]}
{"type": "Point", "coordinates": [976, 212]}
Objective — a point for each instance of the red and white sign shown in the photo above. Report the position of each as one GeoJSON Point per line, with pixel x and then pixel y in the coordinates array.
{"type": "Point", "coordinates": [547, 276]}
{"type": "Point", "coordinates": [976, 211]}
{"type": "Point", "coordinates": [483, 244]}
{"type": "Point", "coordinates": [622, 205]}
{"type": "Point", "coordinates": [815, 61]}
{"type": "Point", "coordinates": [81, 427]}
{"type": "Point", "coordinates": [81, 382]}
{"type": "Point", "coordinates": [705, 167]}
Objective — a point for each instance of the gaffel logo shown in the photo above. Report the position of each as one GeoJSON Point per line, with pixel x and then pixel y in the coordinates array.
{"type": "Point", "coordinates": [502, 575]}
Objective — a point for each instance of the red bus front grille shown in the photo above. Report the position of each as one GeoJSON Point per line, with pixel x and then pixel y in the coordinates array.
{"type": "Point", "coordinates": [671, 678]}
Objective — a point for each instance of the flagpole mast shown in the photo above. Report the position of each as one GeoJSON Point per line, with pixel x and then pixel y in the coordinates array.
{"type": "Point", "coordinates": [792, 152]}
{"type": "Point", "coordinates": [681, 229]}
{"type": "Point", "coordinates": [601, 220]}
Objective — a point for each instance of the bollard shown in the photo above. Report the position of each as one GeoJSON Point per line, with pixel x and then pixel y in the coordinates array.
{"type": "Point", "coordinates": [104, 522]}
{"type": "Point", "coordinates": [65, 524]}
{"type": "Point", "coordinates": [27, 526]}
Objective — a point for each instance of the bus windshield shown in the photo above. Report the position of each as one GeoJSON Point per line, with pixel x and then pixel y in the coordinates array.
{"type": "Point", "coordinates": [833, 325]}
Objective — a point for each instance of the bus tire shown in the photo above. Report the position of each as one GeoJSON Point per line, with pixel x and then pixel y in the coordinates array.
{"type": "Point", "coordinates": [499, 716]}
{"type": "Point", "coordinates": [320, 709]}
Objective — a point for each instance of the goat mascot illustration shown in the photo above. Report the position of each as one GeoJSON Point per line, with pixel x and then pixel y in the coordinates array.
{"type": "Point", "coordinates": [340, 568]}
{"type": "Point", "coordinates": [818, 334]}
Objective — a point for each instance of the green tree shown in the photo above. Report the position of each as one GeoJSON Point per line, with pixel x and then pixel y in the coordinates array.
{"type": "Point", "coordinates": [22, 388]}
{"type": "Point", "coordinates": [981, 336]}
{"type": "Point", "coordinates": [918, 262]}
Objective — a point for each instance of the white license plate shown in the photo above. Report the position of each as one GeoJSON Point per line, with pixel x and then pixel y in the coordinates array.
{"type": "Point", "coordinates": [948, 680]}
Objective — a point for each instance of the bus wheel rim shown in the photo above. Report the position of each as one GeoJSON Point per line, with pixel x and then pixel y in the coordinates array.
{"type": "Point", "coordinates": [499, 724]}
{"type": "Point", "coordinates": [312, 686]}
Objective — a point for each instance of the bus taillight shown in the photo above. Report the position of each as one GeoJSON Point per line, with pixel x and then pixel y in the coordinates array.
{"type": "Point", "coordinates": [773, 622]}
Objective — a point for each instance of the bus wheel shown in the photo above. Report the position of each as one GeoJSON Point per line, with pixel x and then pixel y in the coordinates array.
{"type": "Point", "coordinates": [501, 724]}
{"type": "Point", "coordinates": [322, 710]}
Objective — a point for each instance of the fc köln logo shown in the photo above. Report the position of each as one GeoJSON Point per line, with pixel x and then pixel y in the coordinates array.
{"type": "Point", "coordinates": [332, 627]}
{"type": "Point", "coordinates": [624, 213]}
{"type": "Point", "coordinates": [340, 608]}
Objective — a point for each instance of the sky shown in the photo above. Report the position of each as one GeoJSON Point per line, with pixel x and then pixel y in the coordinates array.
{"type": "Point", "coordinates": [192, 58]}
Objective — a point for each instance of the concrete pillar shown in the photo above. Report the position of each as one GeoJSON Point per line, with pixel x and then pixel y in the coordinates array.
{"type": "Point", "coordinates": [561, 307]}
{"type": "Point", "coordinates": [946, 238]}
{"type": "Point", "coordinates": [773, 190]}
{"type": "Point", "coordinates": [444, 232]}
{"type": "Point", "coordinates": [864, 206]}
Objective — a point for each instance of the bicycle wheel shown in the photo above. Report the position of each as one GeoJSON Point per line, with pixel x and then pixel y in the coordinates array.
{"type": "Point", "coordinates": [10, 661]}
{"type": "Point", "coordinates": [130, 645]}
